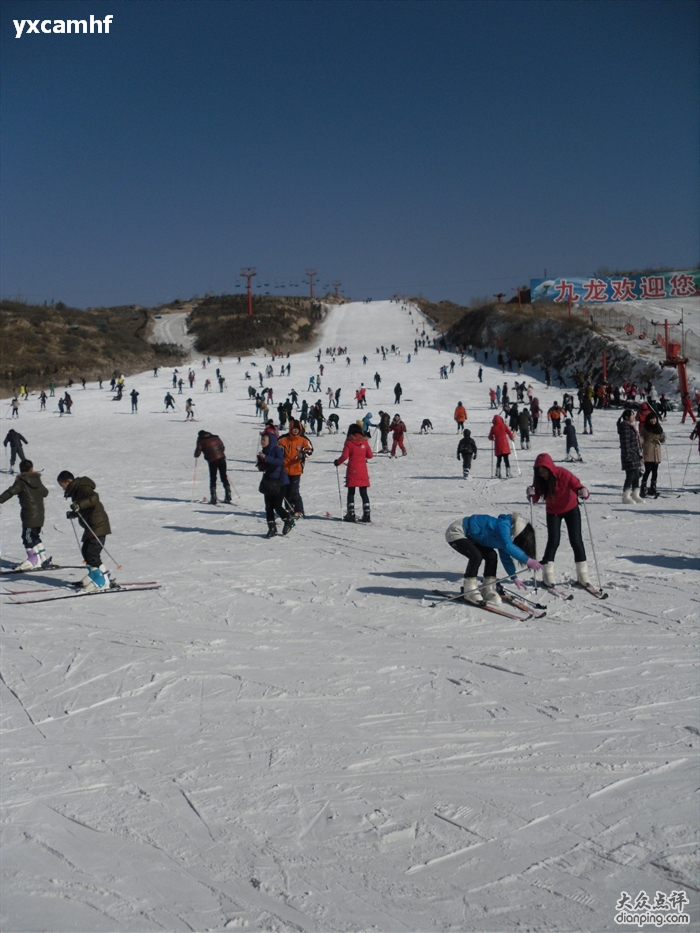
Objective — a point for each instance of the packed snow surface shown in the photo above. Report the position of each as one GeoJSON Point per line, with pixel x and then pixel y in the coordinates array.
{"type": "Point", "coordinates": [287, 735]}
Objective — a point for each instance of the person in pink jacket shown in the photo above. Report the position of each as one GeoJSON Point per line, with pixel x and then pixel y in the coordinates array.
{"type": "Point", "coordinates": [561, 491]}
{"type": "Point", "coordinates": [398, 429]}
{"type": "Point", "coordinates": [501, 435]}
{"type": "Point", "coordinates": [357, 452]}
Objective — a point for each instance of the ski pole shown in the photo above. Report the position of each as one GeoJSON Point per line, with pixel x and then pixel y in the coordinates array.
{"type": "Point", "coordinates": [687, 464]}
{"type": "Point", "coordinates": [77, 539]}
{"type": "Point", "coordinates": [668, 461]}
{"type": "Point", "coordinates": [517, 462]}
{"type": "Point", "coordinates": [590, 535]}
{"type": "Point", "coordinates": [194, 480]}
{"type": "Point", "coordinates": [532, 525]}
{"type": "Point", "coordinates": [340, 497]}
{"type": "Point", "coordinates": [86, 525]}
{"type": "Point", "coordinates": [491, 459]}
{"type": "Point", "coordinates": [230, 481]}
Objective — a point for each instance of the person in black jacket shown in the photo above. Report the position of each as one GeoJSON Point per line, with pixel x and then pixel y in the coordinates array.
{"type": "Point", "coordinates": [31, 492]}
{"type": "Point", "coordinates": [15, 440]}
{"type": "Point", "coordinates": [270, 462]}
{"type": "Point", "coordinates": [466, 450]}
{"type": "Point", "coordinates": [214, 452]}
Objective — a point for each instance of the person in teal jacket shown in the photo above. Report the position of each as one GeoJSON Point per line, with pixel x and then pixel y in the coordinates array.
{"type": "Point", "coordinates": [486, 538]}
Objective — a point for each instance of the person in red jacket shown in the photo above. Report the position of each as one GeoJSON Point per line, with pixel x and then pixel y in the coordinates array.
{"type": "Point", "coordinates": [214, 452]}
{"type": "Point", "coordinates": [398, 429]}
{"type": "Point", "coordinates": [357, 452]}
{"type": "Point", "coordinates": [501, 435]}
{"type": "Point", "coordinates": [561, 491]}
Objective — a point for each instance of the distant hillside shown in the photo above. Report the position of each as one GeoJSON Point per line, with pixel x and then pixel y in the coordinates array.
{"type": "Point", "coordinates": [222, 326]}
{"type": "Point", "coordinates": [40, 345]}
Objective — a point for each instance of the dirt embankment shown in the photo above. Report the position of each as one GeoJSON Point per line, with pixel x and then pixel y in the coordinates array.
{"type": "Point", "coordinates": [541, 335]}
{"type": "Point", "coordinates": [222, 326]}
{"type": "Point", "coordinates": [41, 345]}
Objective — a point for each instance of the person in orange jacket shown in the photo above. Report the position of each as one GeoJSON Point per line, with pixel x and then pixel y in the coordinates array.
{"type": "Point", "coordinates": [460, 416]}
{"type": "Point", "coordinates": [296, 449]}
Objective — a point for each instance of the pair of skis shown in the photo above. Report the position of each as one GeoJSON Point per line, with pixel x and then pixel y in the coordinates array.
{"type": "Point", "coordinates": [69, 592]}
{"type": "Point", "coordinates": [531, 609]}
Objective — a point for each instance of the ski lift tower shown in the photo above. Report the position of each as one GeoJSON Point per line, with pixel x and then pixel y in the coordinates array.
{"type": "Point", "coordinates": [336, 286]}
{"type": "Point", "coordinates": [248, 274]}
{"type": "Point", "coordinates": [311, 273]}
{"type": "Point", "coordinates": [673, 355]}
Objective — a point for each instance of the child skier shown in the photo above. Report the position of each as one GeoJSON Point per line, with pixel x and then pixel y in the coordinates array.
{"type": "Point", "coordinates": [90, 512]}
{"type": "Point", "coordinates": [31, 492]}
{"type": "Point", "coordinates": [554, 415]}
{"type": "Point", "coordinates": [398, 429]}
{"type": "Point", "coordinates": [466, 450]}
{"type": "Point", "coordinates": [189, 408]}
{"type": "Point", "coordinates": [478, 537]}
{"type": "Point", "coordinates": [571, 442]}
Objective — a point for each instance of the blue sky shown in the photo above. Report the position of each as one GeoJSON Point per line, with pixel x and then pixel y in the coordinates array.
{"type": "Point", "coordinates": [449, 149]}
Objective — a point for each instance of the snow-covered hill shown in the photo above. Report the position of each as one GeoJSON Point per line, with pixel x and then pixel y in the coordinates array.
{"type": "Point", "coordinates": [286, 736]}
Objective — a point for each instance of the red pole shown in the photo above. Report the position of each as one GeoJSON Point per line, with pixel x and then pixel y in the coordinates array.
{"type": "Point", "coordinates": [248, 274]}
{"type": "Point", "coordinates": [311, 273]}
{"type": "Point", "coordinates": [605, 366]}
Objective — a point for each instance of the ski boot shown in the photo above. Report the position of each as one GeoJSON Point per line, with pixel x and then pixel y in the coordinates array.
{"type": "Point", "coordinates": [548, 574]}
{"type": "Point", "coordinates": [643, 491]}
{"type": "Point", "coordinates": [489, 591]}
{"type": "Point", "coordinates": [31, 563]}
{"type": "Point", "coordinates": [498, 473]}
{"type": "Point", "coordinates": [288, 524]}
{"type": "Point", "coordinates": [98, 580]}
{"type": "Point", "coordinates": [350, 514]}
{"type": "Point", "coordinates": [470, 591]}
{"type": "Point", "coordinates": [271, 530]}
{"type": "Point", "coordinates": [507, 472]}
{"type": "Point", "coordinates": [365, 515]}
{"type": "Point", "coordinates": [582, 574]}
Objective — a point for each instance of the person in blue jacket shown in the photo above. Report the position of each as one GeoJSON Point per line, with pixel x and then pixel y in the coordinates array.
{"type": "Point", "coordinates": [271, 465]}
{"type": "Point", "coordinates": [367, 424]}
{"type": "Point", "coordinates": [486, 538]}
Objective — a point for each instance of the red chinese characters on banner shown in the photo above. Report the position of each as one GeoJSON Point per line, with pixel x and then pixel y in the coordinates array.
{"type": "Point", "coordinates": [565, 291]}
{"type": "Point", "coordinates": [622, 289]}
{"type": "Point", "coordinates": [682, 285]}
{"type": "Point", "coordinates": [653, 286]}
{"type": "Point", "coordinates": [595, 290]}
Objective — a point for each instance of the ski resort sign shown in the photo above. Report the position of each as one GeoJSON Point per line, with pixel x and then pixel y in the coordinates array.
{"type": "Point", "coordinates": [617, 288]}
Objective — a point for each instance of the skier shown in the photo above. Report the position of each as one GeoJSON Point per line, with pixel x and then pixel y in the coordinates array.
{"type": "Point", "coordinates": [15, 408]}
{"type": "Point", "coordinates": [524, 425]}
{"type": "Point", "coordinates": [42, 400]}
{"type": "Point", "coordinates": [189, 408]}
{"type": "Point", "coordinates": [687, 407]}
{"type": "Point", "coordinates": [554, 415]}
{"type": "Point", "coordinates": [481, 374]}
{"type": "Point", "coordinates": [571, 441]}
{"type": "Point", "coordinates": [501, 435]}
{"type": "Point", "coordinates": [561, 491]}
{"type": "Point", "coordinates": [214, 452]}
{"type": "Point", "coordinates": [536, 412]}
{"type": "Point", "coordinates": [296, 449]}
{"type": "Point", "coordinates": [460, 416]}
{"type": "Point", "coordinates": [332, 423]}
{"type": "Point", "coordinates": [426, 425]}
{"type": "Point", "coordinates": [398, 392]}
{"type": "Point", "coordinates": [466, 450]}
{"type": "Point", "coordinates": [270, 462]}
{"type": "Point", "coordinates": [377, 379]}
{"type": "Point", "coordinates": [357, 452]}
{"type": "Point", "coordinates": [586, 406]}
{"type": "Point", "coordinates": [653, 437]}
{"type": "Point", "coordinates": [15, 440]}
{"type": "Point", "coordinates": [169, 402]}
{"type": "Point", "coordinates": [398, 429]}
{"type": "Point", "coordinates": [492, 396]}
{"type": "Point", "coordinates": [384, 428]}
{"type": "Point", "coordinates": [90, 512]}
{"type": "Point", "coordinates": [31, 492]}
{"type": "Point", "coordinates": [630, 455]}
{"type": "Point", "coordinates": [479, 537]}
{"type": "Point", "coordinates": [134, 395]}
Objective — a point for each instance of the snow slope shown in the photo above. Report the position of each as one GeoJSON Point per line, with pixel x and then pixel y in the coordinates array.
{"type": "Point", "coordinates": [286, 736]}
